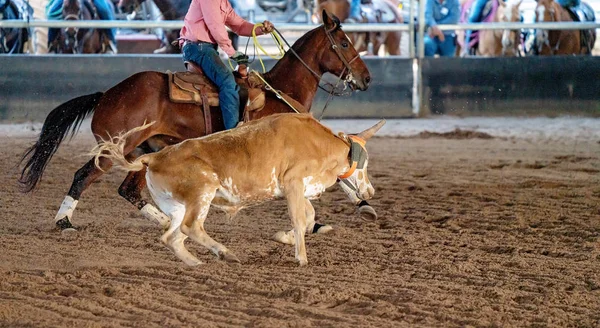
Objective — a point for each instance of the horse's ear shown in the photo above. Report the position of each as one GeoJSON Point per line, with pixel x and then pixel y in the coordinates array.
{"type": "Point", "coordinates": [331, 22]}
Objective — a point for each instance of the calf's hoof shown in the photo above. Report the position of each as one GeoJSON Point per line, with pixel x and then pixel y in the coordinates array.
{"type": "Point", "coordinates": [367, 212]}
{"type": "Point", "coordinates": [321, 228]}
{"type": "Point", "coordinates": [284, 238]}
{"type": "Point", "coordinates": [302, 263]}
{"type": "Point", "coordinates": [229, 257]}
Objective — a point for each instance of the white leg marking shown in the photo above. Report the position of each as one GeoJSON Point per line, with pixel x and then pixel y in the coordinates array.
{"type": "Point", "coordinates": [155, 215]}
{"type": "Point", "coordinates": [66, 208]}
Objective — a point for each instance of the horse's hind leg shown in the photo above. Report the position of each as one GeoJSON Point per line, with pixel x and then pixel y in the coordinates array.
{"type": "Point", "coordinates": [81, 181]}
{"type": "Point", "coordinates": [131, 189]}
{"type": "Point", "coordinates": [135, 182]}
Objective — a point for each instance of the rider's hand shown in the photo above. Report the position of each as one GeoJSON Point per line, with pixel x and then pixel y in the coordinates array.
{"type": "Point", "coordinates": [240, 58]}
{"type": "Point", "coordinates": [267, 27]}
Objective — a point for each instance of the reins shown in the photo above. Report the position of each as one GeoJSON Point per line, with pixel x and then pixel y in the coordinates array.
{"type": "Point", "coordinates": [279, 40]}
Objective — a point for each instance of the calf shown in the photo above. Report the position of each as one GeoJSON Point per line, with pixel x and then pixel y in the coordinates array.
{"type": "Point", "coordinates": [289, 156]}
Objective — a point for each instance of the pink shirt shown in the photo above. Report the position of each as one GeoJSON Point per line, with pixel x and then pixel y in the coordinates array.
{"type": "Point", "coordinates": [206, 21]}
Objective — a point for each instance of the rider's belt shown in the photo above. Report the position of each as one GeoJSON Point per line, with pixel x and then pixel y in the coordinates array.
{"type": "Point", "coordinates": [186, 41]}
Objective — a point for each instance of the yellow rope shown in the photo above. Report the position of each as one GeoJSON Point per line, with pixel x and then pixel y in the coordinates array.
{"type": "Point", "coordinates": [278, 41]}
{"type": "Point", "coordinates": [277, 93]}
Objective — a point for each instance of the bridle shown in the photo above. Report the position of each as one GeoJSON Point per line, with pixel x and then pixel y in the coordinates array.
{"type": "Point", "coordinates": [338, 52]}
{"type": "Point", "coordinates": [77, 45]}
{"type": "Point", "coordinates": [332, 91]}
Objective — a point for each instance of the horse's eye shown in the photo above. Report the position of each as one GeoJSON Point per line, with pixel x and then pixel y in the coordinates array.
{"type": "Point", "coordinates": [344, 44]}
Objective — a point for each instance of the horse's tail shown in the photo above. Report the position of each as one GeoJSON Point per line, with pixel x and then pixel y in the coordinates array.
{"type": "Point", "coordinates": [113, 150]}
{"type": "Point", "coordinates": [63, 118]}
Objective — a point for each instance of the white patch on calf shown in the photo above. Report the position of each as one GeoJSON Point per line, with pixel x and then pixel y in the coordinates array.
{"type": "Point", "coordinates": [228, 192]}
{"type": "Point", "coordinates": [273, 188]}
{"type": "Point", "coordinates": [66, 208]}
{"type": "Point", "coordinates": [164, 199]}
{"type": "Point", "coordinates": [312, 189]}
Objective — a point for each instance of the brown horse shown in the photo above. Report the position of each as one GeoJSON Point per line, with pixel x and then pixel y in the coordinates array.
{"type": "Point", "coordinates": [74, 40]}
{"type": "Point", "coordinates": [143, 97]}
{"type": "Point", "coordinates": [560, 42]}
{"type": "Point", "coordinates": [494, 43]}
{"type": "Point", "coordinates": [371, 42]}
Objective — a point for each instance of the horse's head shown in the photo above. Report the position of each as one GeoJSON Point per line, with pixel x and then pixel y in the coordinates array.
{"type": "Point", "coordinates": [339, 56]}
{"type": "Point", "coordinates": [509, 12]}
{"type": "Point", "coordinates": [545, 11]}
{"type": "Point", "coordinates": [71, 10]}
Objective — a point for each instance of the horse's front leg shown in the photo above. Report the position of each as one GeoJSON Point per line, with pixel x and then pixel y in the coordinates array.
{"type": "Point", "coordinates": [131, 189]}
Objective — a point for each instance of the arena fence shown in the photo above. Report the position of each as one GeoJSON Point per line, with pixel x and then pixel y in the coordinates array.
{"type": "Point", "coordinates": [416, 43]}
{"type": "Point", "coordinates": [494, 86]}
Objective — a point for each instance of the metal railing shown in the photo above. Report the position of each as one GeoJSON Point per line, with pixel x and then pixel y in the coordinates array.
{"type": "Point", "coordinates": [15, 23]}
{"type": "Point", "coordinates": [410, 28]}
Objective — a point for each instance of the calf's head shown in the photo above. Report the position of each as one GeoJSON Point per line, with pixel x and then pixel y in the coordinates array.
{"type": "Point", "coordinates": [355, 182]}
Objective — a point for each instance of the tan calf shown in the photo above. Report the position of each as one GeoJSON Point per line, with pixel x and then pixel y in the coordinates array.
{"type": "Point", "coordinates": [289, 156]}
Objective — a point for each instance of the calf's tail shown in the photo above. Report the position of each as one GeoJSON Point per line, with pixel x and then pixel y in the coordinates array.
{"type": "Point", "coordinates": [112, 149]}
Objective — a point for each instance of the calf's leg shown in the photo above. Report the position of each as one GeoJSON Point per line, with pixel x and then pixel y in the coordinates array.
{"type": "Point", "coordinates": [297, 209]}
{"type": "Point", "coordinates": [193, 226]}
{"type": "Point", "coordinates": [174, 238]}
{"type": "Point", "coordinates": [311, 227]}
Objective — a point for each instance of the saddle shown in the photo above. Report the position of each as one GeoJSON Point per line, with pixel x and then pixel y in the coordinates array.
{"type": "Point", "coordinates": [584, 13]}
{"type": "Point", "coordinates": [193, 87]}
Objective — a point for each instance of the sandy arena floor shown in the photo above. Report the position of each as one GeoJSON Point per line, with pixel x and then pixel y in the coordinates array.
{"type": "Point", "coordinates": [472, 232]}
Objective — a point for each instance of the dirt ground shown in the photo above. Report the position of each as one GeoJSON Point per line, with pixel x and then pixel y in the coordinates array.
{"type": "Point", "coordinates": [472, 231]}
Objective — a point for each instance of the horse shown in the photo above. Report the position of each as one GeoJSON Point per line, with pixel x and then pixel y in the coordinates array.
{"type": "Point", "coordinates": [76, 40]}
{"type": "Point", "coordinates": [376, 11]}
{"type": "Point", "coordinates": [492, 43]}
{"type": "Point", "coordinates": [170, 10]}
{"type": "Point", "coordinates": [14, 40]}
{"type": "Point", "coordinates": [562, 42]}
{"type": "Point", "coordinates": [144, 97]}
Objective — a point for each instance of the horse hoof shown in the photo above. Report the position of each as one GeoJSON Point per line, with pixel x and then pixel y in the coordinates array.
{"type": "Point", "coordinates": [367, 212]}
{"type": "Point", "coordinates": [229, 257]}
{"type": "Point", "coordinates": [65, 225]}
{"type": "Point", "coordinates": [302, 263]}
{"type": "Point", "coordinates": [321, 228]}
{"type": "Point", "coordinates": [284, 238]}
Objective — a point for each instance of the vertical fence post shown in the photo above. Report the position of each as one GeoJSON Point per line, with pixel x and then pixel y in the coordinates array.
{"type": "Point", "coordinates": [411, 29]}
{"type": "Point", "coordinates": [417, 90]}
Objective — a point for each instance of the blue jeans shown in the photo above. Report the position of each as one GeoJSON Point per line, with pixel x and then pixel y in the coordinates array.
{"type": "Point", "coordinates": [354, 8]}
{"type": "Point", "coordinates": [103, 7]}
{"type": "Point", "coordinates": [207, 57]}
{"type": "Point", "coordinates": [444, 49]}
{"type": "Point", "coordinates": [474, 17]}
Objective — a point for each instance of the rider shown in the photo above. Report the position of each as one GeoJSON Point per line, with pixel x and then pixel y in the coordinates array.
{"type": "Point", "coordinates": [354, 16]}
{"type": "Point", "coordinates": [204, 30]}
{"type": "Point", "coordinates": [474, 17]}
{"type": "Point", "coordinates": [105, 12]}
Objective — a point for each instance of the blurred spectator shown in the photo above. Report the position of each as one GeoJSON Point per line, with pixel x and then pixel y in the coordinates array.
{"type": "Point", "coordinates": [40, 33]}
{"type": "Point", "coordinates": [440, 12]}
{"type": "Point", "coordinates": [354, 16]}
{"type": "Point", "coordinates": [475, 16]}
{"type": "Point", "coordinates": [105, 10]}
